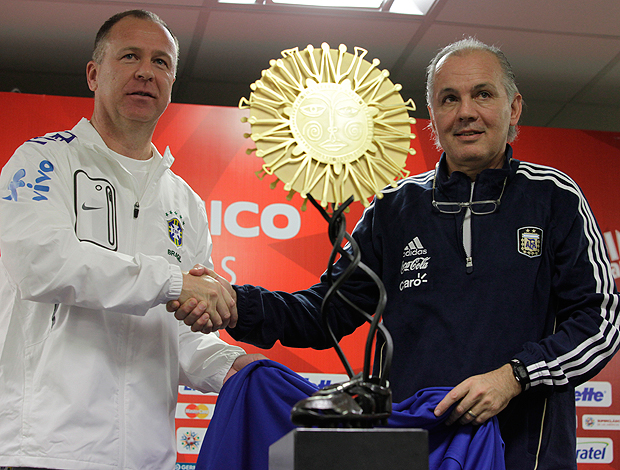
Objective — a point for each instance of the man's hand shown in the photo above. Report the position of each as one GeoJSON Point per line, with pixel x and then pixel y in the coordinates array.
{"type": "Point", "coordinates": [480, 397]}
{"type": "Point", "coordinates": [200, 270]}
{"type": "Point", "coordinates": [241, 362]}
{"type": "Point", "coordinates": [205, 304]}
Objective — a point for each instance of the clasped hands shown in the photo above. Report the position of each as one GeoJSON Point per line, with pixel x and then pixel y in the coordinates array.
{"type": "Point", "coordinates": [207, 302]}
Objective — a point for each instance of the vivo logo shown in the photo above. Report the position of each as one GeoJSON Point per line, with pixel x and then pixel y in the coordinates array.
{"type": "Point", "coordinates": [595, 450]}
{"type": "Point", "coordinates": [595, 394]}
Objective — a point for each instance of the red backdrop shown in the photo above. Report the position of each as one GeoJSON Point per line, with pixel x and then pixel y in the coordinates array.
{"type": "Point", "coordinates": [261, 238]}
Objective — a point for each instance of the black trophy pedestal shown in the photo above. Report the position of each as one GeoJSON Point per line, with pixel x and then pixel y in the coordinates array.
{"type": "Point", "coordinates": [354, 449]}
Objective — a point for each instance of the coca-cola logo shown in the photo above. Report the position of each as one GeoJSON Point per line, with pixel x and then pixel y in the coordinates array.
{"type": "Point", "coordinates": [415, 265]}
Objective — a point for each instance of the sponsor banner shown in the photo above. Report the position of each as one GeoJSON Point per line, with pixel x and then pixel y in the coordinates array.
{"type": "Point", "coordinates": [612, 241]}
{"type": "Point", "coordinates": [323, 380]}
{"type": "Point", "coordinates": [594, 394]}
{"type": "Point", "coordinates": [595, 450]}
{"type": "Point", "coordinates": [185, 466]}
{"type": "Point", "coordinates": [198, 411]}
{"type": "Point", "coordinates": [189, 440]}
{"type": "Point", "coordinates": [601, 422]}
{"type": "Point", "coordinates": [184, 390]}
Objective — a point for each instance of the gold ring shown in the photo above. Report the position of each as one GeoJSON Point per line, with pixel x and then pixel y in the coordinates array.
{"type": "Point", "coordinates": [474, 416]}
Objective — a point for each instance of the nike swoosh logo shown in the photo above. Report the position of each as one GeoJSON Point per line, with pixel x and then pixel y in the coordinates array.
{"type": "Point", "coordinates": [89, 208]}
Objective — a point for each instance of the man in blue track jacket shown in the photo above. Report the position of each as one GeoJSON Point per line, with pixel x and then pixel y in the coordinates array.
{"type": "Point", "coordinates": [497, 279]}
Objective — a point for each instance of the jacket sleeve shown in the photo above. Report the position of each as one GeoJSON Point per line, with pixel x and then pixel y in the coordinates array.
{"type": "Point", "coordinates": [204, 360]}
{"type": "Point", "coordinates": [586, 331]}
{"type": "Point", "coordinates": [44, 257]}
{"type": "Point", "coordinates": [297, 319]}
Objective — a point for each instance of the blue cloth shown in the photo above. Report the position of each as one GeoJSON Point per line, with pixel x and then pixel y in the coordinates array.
{"type": "Point", "coordinates": [253, 412]}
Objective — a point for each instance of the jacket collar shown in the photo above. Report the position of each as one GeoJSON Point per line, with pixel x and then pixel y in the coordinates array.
{"type": "Point", "coordinates": [89, 136]}
{"type": "Point", "coordinates": [488, 184]}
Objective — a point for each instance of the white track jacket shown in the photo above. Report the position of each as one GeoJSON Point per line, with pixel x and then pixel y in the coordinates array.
{"type": "Point", "coordinates": [90, 360]}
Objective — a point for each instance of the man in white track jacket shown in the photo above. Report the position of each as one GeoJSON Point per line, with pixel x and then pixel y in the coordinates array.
{"type": "Point", "coordinates": [96, 235]}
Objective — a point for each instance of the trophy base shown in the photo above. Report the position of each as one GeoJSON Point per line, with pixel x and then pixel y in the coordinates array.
{"type": "Point", "coordinates": [346, 448]}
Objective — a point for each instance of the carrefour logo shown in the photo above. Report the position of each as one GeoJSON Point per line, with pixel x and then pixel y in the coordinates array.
{"type": "Point", "coordinates": [595, 450]}
{"type": "Point", "coordinates": [594, 394]}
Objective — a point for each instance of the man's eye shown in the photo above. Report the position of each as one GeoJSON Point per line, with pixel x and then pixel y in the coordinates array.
{"type": "Point", "coordinates": [161, 62]}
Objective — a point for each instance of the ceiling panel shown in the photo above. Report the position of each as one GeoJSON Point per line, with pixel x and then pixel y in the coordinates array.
{"type": "Point", "coordinates": [605, 90]}
{"type": "Point", "coordinates": [566, 53]}
{"type": "Point", "coordinates": [47, 36]}
{"type": "Point", "coordinates": [589, 17]}
{"type": "Point", "coordinates": [549, 67]}
{"type": "Point", "coordinates": [238, 45]}
{"type": "Point", "coordinates": [584, 116]}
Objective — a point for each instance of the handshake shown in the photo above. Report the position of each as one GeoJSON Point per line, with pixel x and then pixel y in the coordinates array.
{"type": "Point", "coordinates": [207, 302]}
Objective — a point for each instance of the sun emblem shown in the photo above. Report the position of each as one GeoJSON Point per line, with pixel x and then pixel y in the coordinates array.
{"type": "Point", "coordinates": [330, 124]}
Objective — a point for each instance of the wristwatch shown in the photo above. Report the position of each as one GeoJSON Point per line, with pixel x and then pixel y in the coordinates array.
{"type": "Point", "coordinates": [520, 373]}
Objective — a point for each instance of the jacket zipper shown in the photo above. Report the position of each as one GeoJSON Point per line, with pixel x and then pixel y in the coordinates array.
{"type": "Point", "coordinates": [54, 315]}
{"type": "Point", "coordinates": [469, 261]}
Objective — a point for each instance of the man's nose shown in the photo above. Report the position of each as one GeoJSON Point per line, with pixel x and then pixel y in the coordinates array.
{"type": "Point", "coordinates": [145, 72]}
{"type": "Point", "coordinates": [467, 110]}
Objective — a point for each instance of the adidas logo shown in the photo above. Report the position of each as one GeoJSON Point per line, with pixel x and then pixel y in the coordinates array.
{"type": "Point", "coordinates": [414, 248]}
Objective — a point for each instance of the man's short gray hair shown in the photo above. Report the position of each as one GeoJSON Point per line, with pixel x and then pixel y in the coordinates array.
{"type": "Point", "coordinates": [104, 31]}
{"type": "Point", "coordinates": [469, 45]}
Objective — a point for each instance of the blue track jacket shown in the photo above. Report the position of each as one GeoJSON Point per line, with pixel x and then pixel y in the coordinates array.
{"type": "Point", "coordinates": [254, 408]}
{"type": "Point", "coordinates": [535, 285]}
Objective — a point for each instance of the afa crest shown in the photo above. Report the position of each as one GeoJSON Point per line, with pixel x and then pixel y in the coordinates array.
{"type": "Point", "coordinates": [175, 231]}
{"type": "Point", "coordinates": [529, 241]}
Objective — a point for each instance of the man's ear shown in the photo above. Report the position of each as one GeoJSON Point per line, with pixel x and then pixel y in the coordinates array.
{"type": "Point", "coordinates": [432, 124]}
{"type": "Point", "coordinates": [92, 70]}
{"type": "Point", "coordinates": [516, 108]}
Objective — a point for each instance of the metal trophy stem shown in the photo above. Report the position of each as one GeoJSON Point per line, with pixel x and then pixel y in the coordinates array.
{"type": "Point", "coordinates": [365, 400]}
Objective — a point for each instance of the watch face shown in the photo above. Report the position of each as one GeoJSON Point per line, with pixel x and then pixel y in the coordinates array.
{"type": "Point", "coordinates": [330, 124]}
{"type": "Point", "coordinates": [520, 373]}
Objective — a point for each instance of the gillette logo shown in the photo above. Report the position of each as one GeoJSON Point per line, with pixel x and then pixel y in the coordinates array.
{"type": "Point", "coordinates": [414, 248]}
{"type": "Point", "coordinates": [595, 450]}
{"type": "Point", "coordinates": [593, 394]}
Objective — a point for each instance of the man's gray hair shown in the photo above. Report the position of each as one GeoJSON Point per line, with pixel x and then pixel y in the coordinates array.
{"type": "Point", "coordinates": [469, 45]}
{"type": "Point", "coordinates": [104, 31]}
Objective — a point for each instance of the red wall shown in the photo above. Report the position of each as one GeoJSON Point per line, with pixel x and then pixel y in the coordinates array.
{"type": "Point", "coordinates": [211, 156]}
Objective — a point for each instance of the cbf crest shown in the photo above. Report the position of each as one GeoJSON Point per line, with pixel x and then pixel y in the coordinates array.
{"type": "Point", "coordinates": [175, 228]}
{"type": "Point", "coordinates": [530, 241]}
